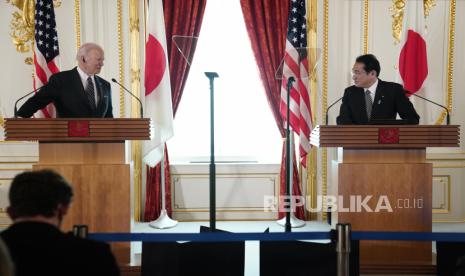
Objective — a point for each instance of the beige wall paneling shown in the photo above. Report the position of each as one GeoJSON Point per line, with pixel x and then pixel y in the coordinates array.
{"type": "Point", "coordinates": [240, 191]}
{"type": "Point", "coordinates": [448, 189]}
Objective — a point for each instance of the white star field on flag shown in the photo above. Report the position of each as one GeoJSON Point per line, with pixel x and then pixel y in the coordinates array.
{"type": "Point", "coordinates": [45, 30]}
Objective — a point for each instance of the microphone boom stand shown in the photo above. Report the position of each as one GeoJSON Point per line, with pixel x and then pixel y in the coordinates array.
{"type": "Point", "coordinates": [211, 76]}
{"type": "Point", "coordinates": [289, 221]}
{"type": "Point", "coordinates": [288, 226]}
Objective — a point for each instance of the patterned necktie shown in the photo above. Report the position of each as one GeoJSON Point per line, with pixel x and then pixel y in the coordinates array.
{"type": "Point", "coordinates": [368, 103]}
{"type": "Point", "coordinates": [90, 91]}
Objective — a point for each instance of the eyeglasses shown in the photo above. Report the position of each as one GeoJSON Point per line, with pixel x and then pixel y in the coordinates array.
{"type": "Point", "coordinates": [359, 73]}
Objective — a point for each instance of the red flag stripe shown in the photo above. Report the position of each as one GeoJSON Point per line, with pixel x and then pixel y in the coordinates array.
{"type": "Point", "coordinates": [290, 62]}
{"type": "Point", "coordinates": [40, 73]}
{"type": "Point", "coordinates": [294, 94]}
{"type": "Point", "coordinates": [296, 65]}
{"type": "Point", "coordinates": [42, 63]}
{"type": "Point", "coordinates": [46, 113]}
{"type": "Point", "coordinates": [305, 64]}
{"type": "Point", "coordinates": [304, 147]}
{"type": "Point", "coordinates": [294, 121]}
{"type": "Point", "coordinates": [305, 107]}
{"type": "Point", "coordinates": [53, 67]}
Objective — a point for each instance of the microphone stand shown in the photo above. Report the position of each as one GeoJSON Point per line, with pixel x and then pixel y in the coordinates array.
{"type": "Point", "coordinates": [327, 109]}
{"type": "Point", "coordinates": [289, 221]}
{"type": "Point", "coordinates": [130, 93]}
{"type": "Point", "coordinates": [445, 108]}
{"type": "Point", "coordinates": [15, 110]}
{"type": "Point", "coordinates": [288, 226]}
{"type": "Point", "coordinates": [211, 76]}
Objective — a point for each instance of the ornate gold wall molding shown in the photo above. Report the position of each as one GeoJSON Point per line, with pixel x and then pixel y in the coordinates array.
{"type": "Point", "coordinates": [312, 158]}
{"type": "Point", "coordinates": [22, 26]}
{"type": "Point", "coordinates": [122, 102]}
{"type": "Point", "coordinates": [136, 147]}
{"type": "Point", "coordinates": [428, 6]}
{"type": "Point", "coordinates": [397, 11]}
{"type": "Point", "coordinates": [324, 151]}
{"type": "Point", "coordinates": [77, 22]}
{"type": "Point", "coordinates": [450, 62]}
{"type": "Point", "coordinates": [366, 18]}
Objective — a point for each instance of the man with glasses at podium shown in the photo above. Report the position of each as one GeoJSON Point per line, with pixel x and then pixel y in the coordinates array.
{"type": "Point", "coordinates": [373, 101]}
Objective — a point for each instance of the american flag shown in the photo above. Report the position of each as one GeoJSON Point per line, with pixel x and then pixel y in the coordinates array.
{"type": "Point", "coordinates": [46, 49]}
{"type": "Point", "coordinates": [296, 65]}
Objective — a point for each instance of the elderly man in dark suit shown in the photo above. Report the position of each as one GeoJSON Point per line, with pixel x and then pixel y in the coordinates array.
{"type": "Point", "coordinates": [371, 99]}
{"type": "Point", "coordinates": [78, 92]}
{"type": "Point", "coordinates": [38, 202]}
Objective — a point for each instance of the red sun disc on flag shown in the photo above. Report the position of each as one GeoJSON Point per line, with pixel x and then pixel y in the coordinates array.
{"type": "Point", "coordinates": [155, 64]}
{"type": "Point", "coordinates": [413, 64]}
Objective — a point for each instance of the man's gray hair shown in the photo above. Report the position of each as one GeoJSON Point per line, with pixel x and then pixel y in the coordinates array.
{"type": "Point", "coordinates": [86, 48]}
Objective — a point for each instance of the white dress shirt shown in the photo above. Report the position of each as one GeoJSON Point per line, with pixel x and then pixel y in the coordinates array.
{"type": "Point", "coordinates": [372, 89]}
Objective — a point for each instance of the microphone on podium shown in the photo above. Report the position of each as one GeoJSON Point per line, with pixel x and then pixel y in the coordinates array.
{"type": "Point", "coordinates": [327, 109]}
{"type": "Point", "coordinates": [16, 103]}
{"type": "Point", "coordinates": [430, 101]}
{"type": "Point", "coordinates": [127, 90]}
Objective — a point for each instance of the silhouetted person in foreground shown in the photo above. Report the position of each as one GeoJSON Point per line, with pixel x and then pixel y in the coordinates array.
{"type": "Point", "coordinates": [39, 200]}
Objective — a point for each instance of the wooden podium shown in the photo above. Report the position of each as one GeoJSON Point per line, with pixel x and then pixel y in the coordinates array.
{"type": "Point", "coordinates": [90, 154]}
{"type": "Point", "coordinates": [386, 166]}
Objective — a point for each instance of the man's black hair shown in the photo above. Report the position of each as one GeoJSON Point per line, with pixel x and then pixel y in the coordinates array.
{"type": "Point", "coordinates": [371, 63]}
{"type": "Point", "coordinates": [38, 193]}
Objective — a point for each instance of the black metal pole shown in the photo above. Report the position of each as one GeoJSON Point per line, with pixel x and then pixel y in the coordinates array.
{"type": "Point", "coordinates": [343, 248]}
{"type": "Point", "coordinates": [288, 226]}
{"type": "Point", "coordinates": [212, 76]}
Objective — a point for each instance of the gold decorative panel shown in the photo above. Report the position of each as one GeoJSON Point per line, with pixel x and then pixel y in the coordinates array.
{"type": "Point", "coordinates": [441, 194]}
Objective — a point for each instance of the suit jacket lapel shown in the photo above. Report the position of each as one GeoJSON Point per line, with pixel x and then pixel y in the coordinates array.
{"type": "Point", "coordinates": [378, 97]}
{"type": "Point", "coordinates": [103, 101]}
{"type": "Point", "coordinates": [361, 99]}
{"type": "Point", "coordinates": [98, 84]}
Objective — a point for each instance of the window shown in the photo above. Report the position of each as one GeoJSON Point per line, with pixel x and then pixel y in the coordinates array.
{"type": "Point", "coordinates": [245, 129]}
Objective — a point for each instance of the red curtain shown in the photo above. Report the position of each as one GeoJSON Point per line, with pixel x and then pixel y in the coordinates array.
{"type": "Point", "coordinates": [266, 23]}
{"type": "Point", "coordinates": [182, 18]}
